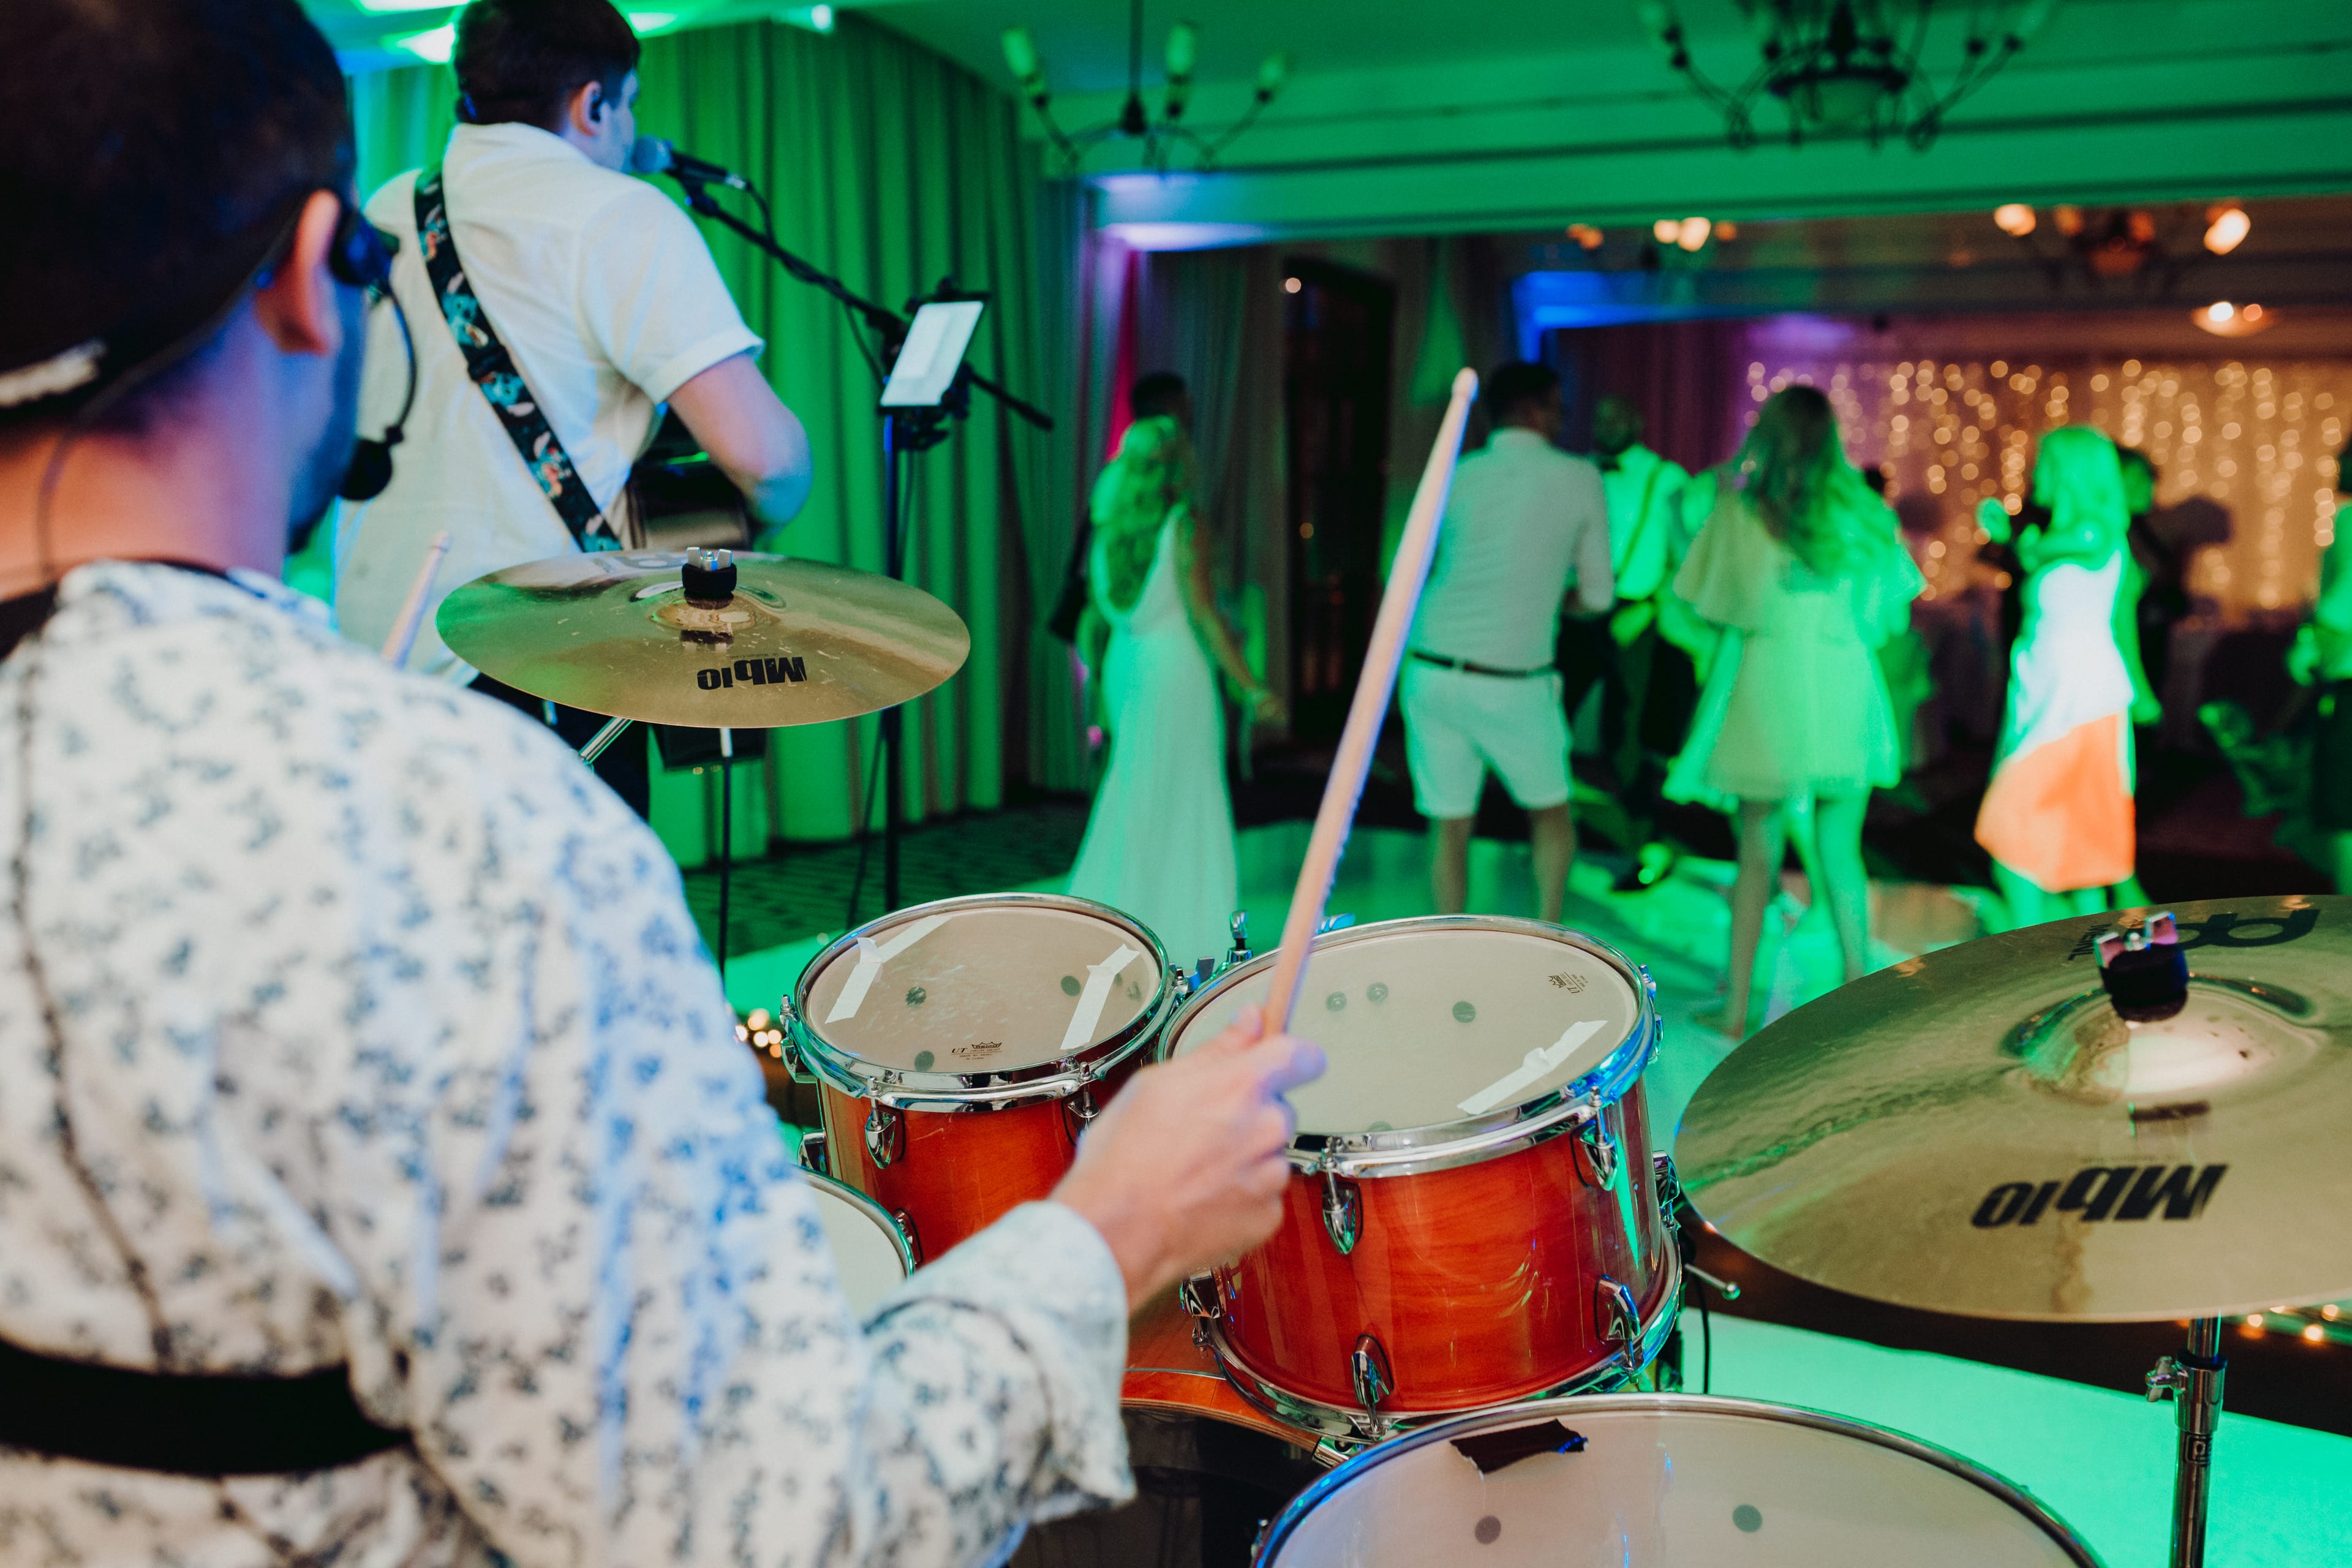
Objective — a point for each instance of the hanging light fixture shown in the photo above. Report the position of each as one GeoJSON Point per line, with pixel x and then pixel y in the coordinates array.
{"type": "Point", "coordinates": [1848, 67]}
{"type": "Point", "coordinates": [1160, 137]}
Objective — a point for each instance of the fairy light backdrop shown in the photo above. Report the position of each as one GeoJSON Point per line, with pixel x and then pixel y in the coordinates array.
{"type": "Point", "coordinates": [2256, 438]}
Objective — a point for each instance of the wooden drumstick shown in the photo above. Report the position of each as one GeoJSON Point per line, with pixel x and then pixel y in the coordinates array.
{"type": "Point", "coordinates": [1341, 791]}
{"type": "Point", "coordinates": [412, 614]}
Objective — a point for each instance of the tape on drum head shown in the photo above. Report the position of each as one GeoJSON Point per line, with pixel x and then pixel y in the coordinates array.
{"type": "Point", "coordinates": [1430, 1022]}
{"type": "Point", "coordinates": [986, 985]}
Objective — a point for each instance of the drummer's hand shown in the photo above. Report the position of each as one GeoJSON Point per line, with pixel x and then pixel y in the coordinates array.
{"type": "Point", "coordinates": [1184, 1169]}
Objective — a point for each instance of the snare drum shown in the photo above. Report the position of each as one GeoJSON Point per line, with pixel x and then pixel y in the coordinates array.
{"type": "Point", "coordinates": [1664, 1481]}
{"type": "Point", "coordinates": [1474, 1216]}
{"type": "Point", "coordinates": [962, 1046]}
{"type": "Point", "coordinates": [869, 1251]}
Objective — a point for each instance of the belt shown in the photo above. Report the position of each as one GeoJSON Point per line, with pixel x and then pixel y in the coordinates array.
{"type": "Point", "coordinates": [1471, 666]}
{"type": "Point", "coordinates": [183, 1425]}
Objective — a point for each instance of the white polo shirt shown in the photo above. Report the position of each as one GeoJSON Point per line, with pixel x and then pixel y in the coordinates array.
{"type": "Point", "coordinates": [1524, 521]}
{"type": "Point", "coordinates": [604, 292]}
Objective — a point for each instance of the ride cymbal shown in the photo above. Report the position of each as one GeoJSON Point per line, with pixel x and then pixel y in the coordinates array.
{"type": "Point", "coordinates": [1980, 1130]}
{"type": "Point", "coordinates": [798, 642]}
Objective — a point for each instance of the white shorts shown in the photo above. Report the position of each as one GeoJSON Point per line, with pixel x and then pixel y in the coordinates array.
{"type": "Point", "coordinates": [1457, 725]}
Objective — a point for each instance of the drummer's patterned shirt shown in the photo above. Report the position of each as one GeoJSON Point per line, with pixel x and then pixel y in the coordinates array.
{"type": "Point", "coordinates": [387, 1041]}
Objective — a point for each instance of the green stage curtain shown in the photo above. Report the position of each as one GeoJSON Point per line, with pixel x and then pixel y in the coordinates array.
{"type": "Point", "coordinates": [896, 169]}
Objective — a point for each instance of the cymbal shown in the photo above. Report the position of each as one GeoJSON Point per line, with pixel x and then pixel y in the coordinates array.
{"type": "Point", "coordinates": [1979, 1130]}
{"type": "Point", "coordinates": [801, 642]}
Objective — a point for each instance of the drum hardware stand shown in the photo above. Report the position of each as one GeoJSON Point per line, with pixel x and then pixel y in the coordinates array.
{"type": "Point", "coordinates": [886, 1135]}
{"type": "Point", "coordinates": [1670, 1198]}
{"type": "Point", "coordinates": [1343, 1212]}
{"type": "Point", "coordinates": [2193, 1382]}
{"type": "Point", "coordinates": [814, 1150]}
{"type": "Point", "coordinates": [903, 430]}
{"type": "Point", "coordinates": [602, 740]}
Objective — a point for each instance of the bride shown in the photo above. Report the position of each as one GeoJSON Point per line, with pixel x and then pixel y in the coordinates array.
{"type": "Point", "coordinates": [1160, 842]}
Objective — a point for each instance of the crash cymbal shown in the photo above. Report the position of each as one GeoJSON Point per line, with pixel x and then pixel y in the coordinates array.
{"type": "Point", "coordinates": [798, 642]}
{"type": "Point", "coordinates": [1982, 1132]}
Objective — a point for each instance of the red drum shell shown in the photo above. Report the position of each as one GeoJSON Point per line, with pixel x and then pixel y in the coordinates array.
{"type": "Point", "coordinates": [958, 1172]}
{"type": "Point", "coordinates": [1482, 1283]}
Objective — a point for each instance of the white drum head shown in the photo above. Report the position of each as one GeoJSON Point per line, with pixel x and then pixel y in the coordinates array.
{"type": "Point", "coordinates": [865, 1244]}
{"type": "Point", "coordinates": [1427, 1024]}
{"type": "Point", "coordinates": [984, 985]}
{"type": "Point", "coordinates": [1711, 1486]}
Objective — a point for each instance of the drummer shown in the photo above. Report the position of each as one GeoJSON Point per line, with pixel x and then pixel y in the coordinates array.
{"type": "Point", "coordinates": [606, 298]}
{"type": "Point", "coordinates": [380, 1180]}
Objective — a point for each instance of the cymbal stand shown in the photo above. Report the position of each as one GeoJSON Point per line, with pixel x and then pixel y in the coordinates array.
{"type": "Point", "coordinates": [2193, 1382]}
{"type": "Point", "coordinates": [726, 840]}
{"type": "Point", "coordinates": [602, 740]}
{"type": "Point", "coordinates": [904, 430]}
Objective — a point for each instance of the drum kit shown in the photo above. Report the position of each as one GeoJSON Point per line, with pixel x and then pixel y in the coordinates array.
{"type": "Point", "coordinates": [1449, 1350]}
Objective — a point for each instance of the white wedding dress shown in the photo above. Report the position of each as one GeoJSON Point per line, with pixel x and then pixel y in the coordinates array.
{"type": "Point", "coordinates": [1160, 843]}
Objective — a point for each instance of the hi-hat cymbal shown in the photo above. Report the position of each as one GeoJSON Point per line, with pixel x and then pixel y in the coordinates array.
{"type": "Point", "coordinates": [1980, 1132]}
{"type": "Point", "coordinates": [801, 642]}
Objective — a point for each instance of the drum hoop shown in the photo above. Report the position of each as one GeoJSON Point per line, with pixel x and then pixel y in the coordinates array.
{"type": "Point", "coordinates": [1529, 1411]}
{"type": "Point", "coordinates": [1346, 1430]}
{"type": "Point", "coordinates": [865, 1206]}
{"type": "Point", "coordinates": [1058, 1079]}
{"type": "Point", "coordinates": [1442, 1145]}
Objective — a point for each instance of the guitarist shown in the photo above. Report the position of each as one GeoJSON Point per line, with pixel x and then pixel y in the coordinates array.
{"type": "Point", "coordinates": [527, 235]}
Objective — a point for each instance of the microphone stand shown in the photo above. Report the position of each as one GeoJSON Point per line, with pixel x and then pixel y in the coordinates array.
{"type": "Point", "coordinates": [904, 431]}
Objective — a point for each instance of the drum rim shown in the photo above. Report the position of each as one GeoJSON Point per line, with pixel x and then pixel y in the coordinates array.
{"type": "Point", "coordinates": [1984, 1479]}
{"type": "Point", "coordinates": [1441, 1145]}
{"type": "Point", "coordinates": [907, 1089]}
{"type": "Point", "coordinates": [1344, 1427]}
{"type": "Point", "coordinates": [871, 1209]}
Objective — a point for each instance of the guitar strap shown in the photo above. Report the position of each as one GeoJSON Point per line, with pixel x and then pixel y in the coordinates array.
{"type": "Point", "coordinates": [493, 370]}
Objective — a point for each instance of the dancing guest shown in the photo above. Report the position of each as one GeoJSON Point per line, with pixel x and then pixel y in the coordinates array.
{"type": "Point", "coordinates": [1801, 569]}
{"type": "Point", "coordinates": [380, 1182]}
{"type": "Point", "coordinates": [1160, 842]}
{"type": "Point", "coordinates": [2057, 817]}
{"type": "Point", "coordinates": [1526, 523]}
{"type": "Point", "coordinates": [2157, 591]}
{"type": "Point", "coordinates": [2322, 657]}
{"type": "Point", "coordinates": [1646, 683]}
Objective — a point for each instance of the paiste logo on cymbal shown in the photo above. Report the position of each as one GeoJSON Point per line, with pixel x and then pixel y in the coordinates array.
{"type": "Point", "coordinates": [785, 671]}
{"type": "Point", "coordinates": [2103, 1191]}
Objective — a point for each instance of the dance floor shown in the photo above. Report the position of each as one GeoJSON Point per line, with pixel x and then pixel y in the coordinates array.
{"type": "Point", "coordinates": [2101, 1459]}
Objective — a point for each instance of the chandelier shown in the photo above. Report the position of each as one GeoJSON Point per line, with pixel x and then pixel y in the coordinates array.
{"type": "Point", "coordinates": [1162, 136]}
{"type": "Point", "coordinates": [1849, 67]}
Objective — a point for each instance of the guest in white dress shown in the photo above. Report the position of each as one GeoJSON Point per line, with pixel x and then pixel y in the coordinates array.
{"type": "Point", "coordinates": [1159, 844]}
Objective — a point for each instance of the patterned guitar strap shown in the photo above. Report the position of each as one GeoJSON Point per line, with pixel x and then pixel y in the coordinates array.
{"type": "Point", "coordinates": [493, 370]}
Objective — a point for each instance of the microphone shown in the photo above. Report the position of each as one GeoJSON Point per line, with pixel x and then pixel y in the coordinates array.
{"type": "Point", "coordinates": [652, 155]}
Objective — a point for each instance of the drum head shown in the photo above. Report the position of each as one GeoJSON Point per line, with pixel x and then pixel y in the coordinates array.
{"type": "Point", "coordinates": [867, 1246]}
{"type": "Point", "coordinates": [983, 985]}
{"type": "Point", "coordinates": [1430, 1022]}
{"type": "Point", "coordinates": [1669, 1483]}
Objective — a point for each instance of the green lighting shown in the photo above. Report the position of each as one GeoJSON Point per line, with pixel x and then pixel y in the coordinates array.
{"type": "Point", "coordinates": [405, 4]}
{"type": "Point", "coordinates": [651, 21]}
{"type": "Point", "coordinates": [435, 45]}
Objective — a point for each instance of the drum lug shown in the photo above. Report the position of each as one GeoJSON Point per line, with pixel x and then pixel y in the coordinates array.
{"type": "Point", "coordinates": [886, 1135]}
{"type": "Point", "coordinates": [1369, 1373]}
{"type": "Point", "coordinates": [1615, 1314]}
{"type": "Point", "coordinates": [914, 1241]}
{"type": "Point", "coordinates": [1241, 948]}
{"type": "Point", "coordinates": [1343, 1212]}
{"type": "Point", "coordinates": [813, 1150]}
{"type": "Point", "coordinates": [1670, 1191]}
{"type": "Point", "coordinates": [1596, 1150]}
{"type": "Point", "coordinates": [1076, 1111]}
{"type": "Point", "coordinates": [1197, 1296]}
{"type": "Point", "coordinates": [787, 1023]}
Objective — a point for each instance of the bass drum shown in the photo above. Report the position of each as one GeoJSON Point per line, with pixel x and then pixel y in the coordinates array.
{"type": "Point", "coordinates": [1211, 1471]}
{"type": "Point", "coordinates": [1666, 1481]}
{"type": "Point", "coordinates": [869, 1250]}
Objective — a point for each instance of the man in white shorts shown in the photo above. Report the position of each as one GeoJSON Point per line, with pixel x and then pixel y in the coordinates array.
{"type": "Point", "coordinates": [1526, 521]}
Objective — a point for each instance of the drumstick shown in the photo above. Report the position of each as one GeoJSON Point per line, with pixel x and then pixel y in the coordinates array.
{"type": "Point", "coordinates": [412, 614]}
{"type": "Point", "coordinates": [1346, 785]}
